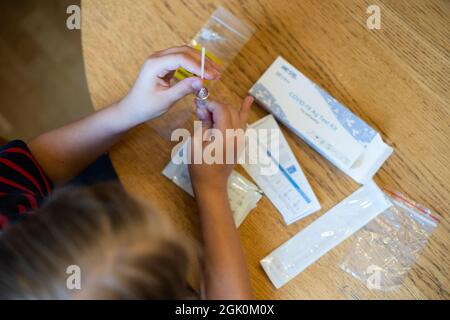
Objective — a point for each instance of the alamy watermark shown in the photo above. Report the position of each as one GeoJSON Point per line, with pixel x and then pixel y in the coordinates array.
{"type": "Point", "coordinates": [73, 21]}
{"type": "Point", "coordinates": [373, 282]}
{"type": "Point", "coordinates": [234, 146]}
{"type": "Point", "coordinates": [73, 280]}
{"type": "Point", "coordinates": [374, 19]}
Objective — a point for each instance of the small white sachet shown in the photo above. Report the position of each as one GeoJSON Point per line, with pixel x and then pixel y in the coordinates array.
{"type": "Point", "coordinates": [242, 194]}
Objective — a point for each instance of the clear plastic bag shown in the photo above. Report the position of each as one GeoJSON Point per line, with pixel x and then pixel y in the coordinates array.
{"type": "Point", "coordinates": [385, 249]}
{"type": "Point", "coordinates": [223, 36]}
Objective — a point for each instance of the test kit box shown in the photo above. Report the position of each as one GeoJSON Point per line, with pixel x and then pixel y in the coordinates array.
{"type": "Point", "coordinates": [321, 121]}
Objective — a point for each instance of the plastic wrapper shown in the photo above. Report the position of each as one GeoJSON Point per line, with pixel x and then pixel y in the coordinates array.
{"type": "Point", "coordinates": [242, 194]}
{"type": "Point", "coordinates": [223, 36]}
{"type": "Point", "coordinates": [385, 249]}
{"type": "Point", "coordinates": [324, 234]}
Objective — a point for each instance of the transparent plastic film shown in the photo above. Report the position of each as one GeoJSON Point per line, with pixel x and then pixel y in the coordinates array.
{"type": "Point", "coordinates": [243, 196]}
{"type": "Point", "coordinates": [324, 234]}
{"type": "Point", "coordinates": [223, 36]}
{"type": "Point", "coordinates": [384, 250]}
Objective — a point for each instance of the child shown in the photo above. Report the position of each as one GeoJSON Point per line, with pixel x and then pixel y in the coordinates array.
{"type": "Point", "coordinates": [124, 250]}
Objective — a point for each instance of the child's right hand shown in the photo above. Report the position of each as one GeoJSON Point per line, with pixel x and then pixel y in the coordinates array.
{"type": "Point", "coordinates": [214, 177]}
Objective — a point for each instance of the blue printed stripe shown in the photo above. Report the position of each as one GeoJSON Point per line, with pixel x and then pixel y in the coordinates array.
{"type": "Point", "coordinates": [286, 174]}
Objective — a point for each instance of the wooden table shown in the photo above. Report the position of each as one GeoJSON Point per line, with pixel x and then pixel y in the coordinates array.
{"type": "Point", "coordinates": [396, 79]}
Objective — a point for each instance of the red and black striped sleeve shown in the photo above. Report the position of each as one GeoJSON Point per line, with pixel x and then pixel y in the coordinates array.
{"type": "Point", "coordinates": [23, 183]}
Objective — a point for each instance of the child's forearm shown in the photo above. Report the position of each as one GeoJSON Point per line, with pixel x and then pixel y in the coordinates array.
{"type": "Point", "coordinates": [226, 274]}
{"type": "Point", "coordinates": [65, 152]}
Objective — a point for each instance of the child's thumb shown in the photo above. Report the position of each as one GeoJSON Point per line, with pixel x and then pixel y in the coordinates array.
{"type": "Point", "coordinates": [204, 116]}
{"type": "Point", "coordinates": [184, 88]}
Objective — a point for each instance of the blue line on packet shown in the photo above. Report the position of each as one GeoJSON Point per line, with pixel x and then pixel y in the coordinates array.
{"type": "Point", "coordinates": [286, 174]}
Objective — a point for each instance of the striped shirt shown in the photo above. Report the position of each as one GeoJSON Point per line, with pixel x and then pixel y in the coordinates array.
{"type": "Point", "coordinates": [23, 183]}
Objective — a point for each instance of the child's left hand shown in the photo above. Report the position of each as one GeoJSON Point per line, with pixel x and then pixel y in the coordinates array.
{"type": "Point", "coordinates": [152, 94]}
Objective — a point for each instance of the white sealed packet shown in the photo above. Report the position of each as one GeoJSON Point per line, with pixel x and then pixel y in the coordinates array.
{"type": "Point", "coordinates": [287, 187]}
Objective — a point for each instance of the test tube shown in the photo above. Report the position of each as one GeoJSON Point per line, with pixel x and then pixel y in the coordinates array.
{"type": "Point", "coordinates": [201, 98]}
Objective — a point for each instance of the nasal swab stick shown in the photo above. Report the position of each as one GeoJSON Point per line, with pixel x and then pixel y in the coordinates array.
{"type": "Point", "coordinates": [202, 74]}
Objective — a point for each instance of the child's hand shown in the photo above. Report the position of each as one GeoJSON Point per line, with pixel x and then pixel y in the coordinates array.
{"type": "Point", "coordinates": [214, 177]}
{"type": "Point", "coordinates": [152, 94]}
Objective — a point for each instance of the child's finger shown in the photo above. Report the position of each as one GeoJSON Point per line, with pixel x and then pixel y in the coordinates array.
{"type": "Point", "coordinates": [245, 109]}
{"type": "Point", "coordinates": [183, 88]}
{"type": "Point", "coordinates": [184, 58]}
{"type": "Point", "coordinates": [205, 116]}
{"type": "Point", "coordinates": [220, 114]}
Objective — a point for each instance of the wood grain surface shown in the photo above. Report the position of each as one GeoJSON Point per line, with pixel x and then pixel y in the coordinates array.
{"type": "Point", "coordinates": [396, 79]}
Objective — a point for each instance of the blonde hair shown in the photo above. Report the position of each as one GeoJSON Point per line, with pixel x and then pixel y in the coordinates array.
{"type": "Point", "coordinates": [123, 249]}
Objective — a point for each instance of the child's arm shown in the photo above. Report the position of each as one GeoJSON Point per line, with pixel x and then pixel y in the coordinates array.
{"type": "Point", "coordinates": [65, 152]}
{"type": "Point", "coordinates": [226, 274]}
